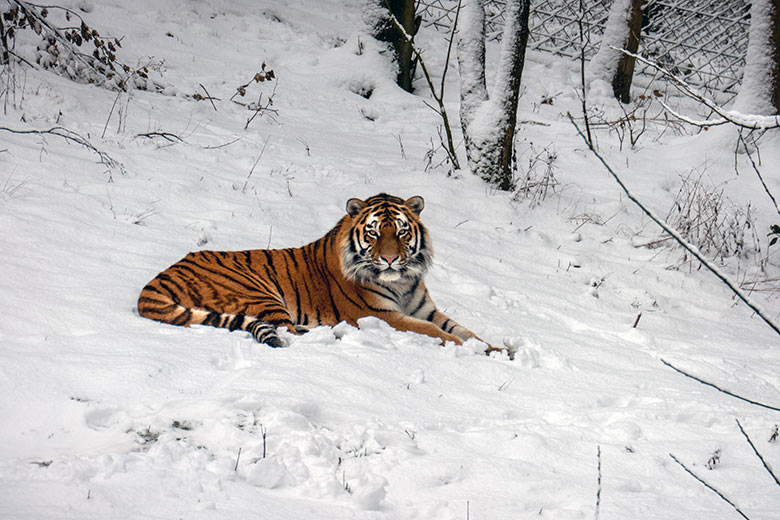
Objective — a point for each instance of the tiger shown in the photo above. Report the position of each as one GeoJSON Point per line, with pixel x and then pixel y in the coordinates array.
{"type": "Point", "coordinates": [372, 263]}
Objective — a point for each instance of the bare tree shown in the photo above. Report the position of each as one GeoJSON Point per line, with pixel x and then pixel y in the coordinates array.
{"type": "Point", "coordinates": [622, 32]}
{"type": "Point", "coordinates": [488, 121]}
{"type": "Point", "coordinates": [760, 90]}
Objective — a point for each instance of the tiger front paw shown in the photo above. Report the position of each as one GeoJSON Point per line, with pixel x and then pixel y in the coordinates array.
{"type": "Point", "coordinates": [274, 342]}
{"type": "Point", "coordinates": [509, 351]}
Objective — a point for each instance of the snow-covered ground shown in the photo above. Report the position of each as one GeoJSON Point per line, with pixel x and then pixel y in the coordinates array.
{"type": "Point", "coordinates": [104, 414]}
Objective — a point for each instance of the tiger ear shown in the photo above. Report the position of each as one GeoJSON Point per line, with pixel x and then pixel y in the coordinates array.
{"type": "Point", "coordinates": [354, 206]}
{"type": "Point", "coordinates": [416, 204]}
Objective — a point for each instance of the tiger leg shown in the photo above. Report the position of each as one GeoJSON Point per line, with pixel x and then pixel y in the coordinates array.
{"type": "Point", "coordinates": [403, 322]}
{"type": "Point", "coordinates": [156, 302]}
{"type": "Point", "coordinates": [449, 325]}
{"type": "Point", "coordinates": [421, 307]}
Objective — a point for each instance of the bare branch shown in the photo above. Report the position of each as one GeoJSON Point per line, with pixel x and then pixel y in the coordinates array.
{"type": "Point", "coordinates": [168, 136]}
{"type": "Point", "coordinates": [693, 250]}
{"type": "Point", "coordinates": [708, 486]}
{"type": "Point", "coordinates": [749, 121]}
{"type": "Point", "coordinates": [449, 46]}
{"type": "Point", "coordinates": [214, 147]}
{"type": "Point", "coordinates": [755, 169]}
{"type": "Point", "coordinates": [582, 76]}
{"type": "Point", "coordinates": [598, 491]}
{"type": "Point", "coordinates": [766, 466]}
{"type": "Point", "coordinates": [719, 389]}
{"type": "Point", "coordinates": [208, 96]}
{"type": "Point", "coordinates": [71, 136]}
{"type": "Point", "coordinates": [437, 96]}
{"type": "Point", "coordinates": [246, 182]}
{"type": "Point", "coordinates": [110, 113]}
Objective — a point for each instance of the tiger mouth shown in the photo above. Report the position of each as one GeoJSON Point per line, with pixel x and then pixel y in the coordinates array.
{"type": "Point", "coordinates": [395, 266]}
{"type": "Point", "coordinates": [384, 265]}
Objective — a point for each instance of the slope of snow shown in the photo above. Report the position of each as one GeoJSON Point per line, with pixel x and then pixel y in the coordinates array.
{"type": "Point", "coordinates": [108, 415]}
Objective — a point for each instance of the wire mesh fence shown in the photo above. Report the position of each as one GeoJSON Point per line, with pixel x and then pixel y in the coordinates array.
{"type": "Point", "coordinates": [702, 41]}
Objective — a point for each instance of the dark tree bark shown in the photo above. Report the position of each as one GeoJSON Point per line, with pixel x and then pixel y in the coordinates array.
{"type": "Point", "coordinates": [624, 26]}
{"type": "Point", "coordinates": [488, 122]}
{"type": "Point", "coordinates": [387, 31]}
{"type": "Point", "coordinates": [621, 83]}
{"type": "Point", "coordinates": [3, 43]}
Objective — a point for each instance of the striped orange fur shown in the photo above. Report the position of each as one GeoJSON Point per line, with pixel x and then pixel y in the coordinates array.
{"type": "Point", "coordinates": [371, 263]}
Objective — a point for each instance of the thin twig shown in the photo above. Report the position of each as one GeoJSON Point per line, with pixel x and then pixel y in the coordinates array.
{"type": "Point", "coordinates": [264, 433]}
{"type": "Point", "coordinates": [598, 491]}
{"type": "Point", "coordinates": [243, 189]}
{"type": "Point", "coordinates": [208, 96]}
{"type": "Point", "coordinates": [238, 457]}
{"type": "Point", "coordinates": [70, 135]}
{"type": "Point", "coordinates": [708, 486]}
{"type": "Point", "coordinates": [449, 146]}
{"type": "Point", "coordinates": [766, 466]}
{"type": "Point", "coordinates": [636, 321]}
{"type": "Point", "coordinates": [21, 58]}
{"type": "Point", "coordinates": [582, 75]}
{"type": "Point", "coordinates": [755, 169]}
{"type": "Point", "coordinates": [173, 138]}
{"type": "Point", "coordinates": [677, 237]}
{"type": "Point", "coordinates": [110, 113]}
{"type": "Point", "coordinates": [214, 147]}
{"type": "Point", "coordinates": [261, 108]}
{"type": "Point", "coordinates": [716, 387]}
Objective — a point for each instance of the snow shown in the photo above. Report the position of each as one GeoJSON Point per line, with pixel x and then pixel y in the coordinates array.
{"type": "Point", "coordinates": [604, 64]}
{"type": "Point", "coordinates": [755, 93]}
{"type": "Point", "coordinates": [471, 55]}
{"type": "Point", "coordinates": [109, 415]}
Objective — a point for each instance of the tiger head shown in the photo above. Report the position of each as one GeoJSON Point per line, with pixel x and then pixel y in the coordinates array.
{"type": "Point", "coordinates": [386, 241]}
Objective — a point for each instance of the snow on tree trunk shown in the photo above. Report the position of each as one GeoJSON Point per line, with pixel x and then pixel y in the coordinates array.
{"type": "Point", "coordinates": [622, 32]}
{"type": "Point", "coordinates": [488, 122]}
{"type": "Point", "coordinates": [471, 60]}
{"type": "Point", "coordinates": [378, 14]}
{"type": "Point", "coordinates": [760, 90]}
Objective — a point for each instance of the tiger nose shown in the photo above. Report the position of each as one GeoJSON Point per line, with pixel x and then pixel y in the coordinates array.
{"type": "Point", "coordinates": [390, 259]}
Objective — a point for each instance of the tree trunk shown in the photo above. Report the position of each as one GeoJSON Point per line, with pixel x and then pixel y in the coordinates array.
{"type": "Point", "coordinates": [387, 31]}
{"type": "Point", "coordinates": [775, 46]}
{"type": "Point", "coordinates": [3, 43]}
{"type": "Point", "coordinates": [622, 32]}
{"type": "Point", "coordinates": [404, 11]}
{"type": "Point", "coordinates": [621, 83]}
{"type": "Point", "coordinates": [488, 122]}
{"type": "Point", "coordinates": [759, 93]}
{"type": "Point", "coordinates": [471, 67]}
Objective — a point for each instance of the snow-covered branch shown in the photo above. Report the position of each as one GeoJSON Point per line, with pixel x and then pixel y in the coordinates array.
{"type": "Point", "coordinates": [693, 250]}
{"type": "Point", "coordinates": [749, 121]}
